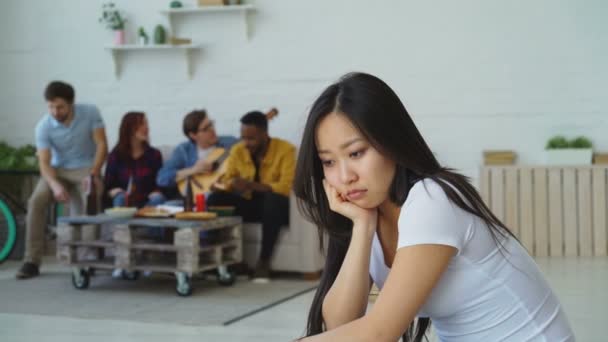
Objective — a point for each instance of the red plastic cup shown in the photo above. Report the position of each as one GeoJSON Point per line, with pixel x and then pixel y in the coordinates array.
{"type": "Point", "coordinates": [200, 202]}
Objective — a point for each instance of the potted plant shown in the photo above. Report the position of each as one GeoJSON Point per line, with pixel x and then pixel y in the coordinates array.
{"type": "Point", "coordinates": [143, 36]}
{"type": "Point", "coordinates": [160, 35]}
{"type": "Point", "coordinates": [17, 158]}
{"type": "Point", "coordinates": [560, 151]}
{"type": "Point", "coordinates": [113, 20]}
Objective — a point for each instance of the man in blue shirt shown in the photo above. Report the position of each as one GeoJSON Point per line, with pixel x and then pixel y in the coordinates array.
{"type": "Point", "coordinates": [189, 157]}
{"type": "Point", "coordinates": [71, 146]}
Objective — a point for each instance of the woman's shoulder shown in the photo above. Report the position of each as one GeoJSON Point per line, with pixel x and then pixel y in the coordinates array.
{"type": "Point", "coordinates": [113, 155]}
{"type": "Point", "coordinates": [427, 189]}
{"type": "Point", "coordinates": [429, 195]}
{"type": "Point", "coordinates": [430, 217]}
{"type": "Point", "coordinates": [153, 151]}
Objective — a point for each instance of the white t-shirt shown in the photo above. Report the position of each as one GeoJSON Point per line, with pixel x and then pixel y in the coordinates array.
{"type": "Point", "coordinates": [483, 295]}
{"type": "Point", "coordinates": [203, 152]}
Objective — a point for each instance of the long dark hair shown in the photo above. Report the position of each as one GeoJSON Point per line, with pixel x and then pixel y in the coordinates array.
{"type": "Point", "coordinates": [129, 124]}
{"type": "Point", "coordinates": [374, 108]}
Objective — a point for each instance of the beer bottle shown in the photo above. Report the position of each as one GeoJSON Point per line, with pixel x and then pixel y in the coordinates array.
{"type": "Point", "coordinates": [188, 200]}
{"type": "Point", "coordinates": [91, 204]}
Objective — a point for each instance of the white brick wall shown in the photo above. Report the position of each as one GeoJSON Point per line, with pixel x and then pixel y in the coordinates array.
{"type": "Point", "coordinates": [474, 74]}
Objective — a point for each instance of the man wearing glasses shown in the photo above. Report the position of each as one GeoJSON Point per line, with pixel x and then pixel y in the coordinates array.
{"type": "Point", "coordinates": [189, 157]}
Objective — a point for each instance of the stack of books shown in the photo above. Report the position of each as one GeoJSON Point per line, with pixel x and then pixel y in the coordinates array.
{"type": "Point", "coordinates": [600, 158]}
{"type": "Point", "coordinates": [180, 41]}
{"type": "Point", "coordinates": [212, 2]}
{"type": "Point", "coordinates": [499, 157]}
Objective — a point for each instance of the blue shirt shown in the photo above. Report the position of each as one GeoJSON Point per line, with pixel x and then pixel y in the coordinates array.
{"type": "Point", "coordinates": [185, 155]}
{"type": "Point", "coordinates": [72, 147]}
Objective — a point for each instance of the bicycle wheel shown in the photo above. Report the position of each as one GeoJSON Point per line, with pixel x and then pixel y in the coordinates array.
{"type": "Point", "coordinates": [8, 231]}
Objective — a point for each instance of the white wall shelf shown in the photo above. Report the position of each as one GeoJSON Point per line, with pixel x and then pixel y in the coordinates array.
{"type": "Point", "coordinates": [244, 9]}
{"type": "Point", "coordinates": [116, 50]}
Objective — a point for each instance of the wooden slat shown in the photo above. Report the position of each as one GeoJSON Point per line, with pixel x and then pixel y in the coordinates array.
{"type": "Point", "coordinates": [93, 243]}
{"type": "Point", "coordinates": [527, 218]}
{"type": "Point", "coordinates": [570, 222]}
{"type": "Point", "coordinates": [511, 201]}
{"type": "Point", "coordinates": [159, 247]}
{"type": "Point", "coordinates": [541, 229]}
{"type": "Point", "coordinates": [101, 264]}
{"type": "Point", "coordinates": [599, 212]}
{"type": "Point", "coordinates": [484, 185]}
{"type": "Point", "coordinates": [584, 212]}
{"type": "Point", "coordinates": [497, 193]}
{"type": "Point", "coordinates": [556, 226]}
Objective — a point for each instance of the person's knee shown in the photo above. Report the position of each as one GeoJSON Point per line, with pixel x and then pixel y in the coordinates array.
{"type": "Point", "coordinates": [275, 201]}
{"type": "Point", "coordinates": [156, 199]}
{"type": "Point", "coordinates": [119, 200]}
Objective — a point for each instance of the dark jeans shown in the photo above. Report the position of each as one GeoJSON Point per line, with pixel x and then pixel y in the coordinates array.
{"type": "Point", "coordinates": [269, 208]}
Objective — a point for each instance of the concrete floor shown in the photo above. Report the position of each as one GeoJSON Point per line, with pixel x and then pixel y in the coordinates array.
{"type": "Point", "coordinates": [580, 283]}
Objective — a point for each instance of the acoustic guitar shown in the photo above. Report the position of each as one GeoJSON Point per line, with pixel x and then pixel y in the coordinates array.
{"type": "Point", "coordinates": [202, 182]}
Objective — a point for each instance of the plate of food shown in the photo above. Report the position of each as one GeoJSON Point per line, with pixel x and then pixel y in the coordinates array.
{"type": "Point", "coordinates": [153, 212]}
{"type": "Point", "coordinates": [195, 215]}
{"type": "Point", "coordinates": [121, 211]}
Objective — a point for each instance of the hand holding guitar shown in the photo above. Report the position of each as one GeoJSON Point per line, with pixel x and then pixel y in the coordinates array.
{"type": "Point", "coordinates": [202, 166]}
{"type": "Point", "coordinates": [241, 185]}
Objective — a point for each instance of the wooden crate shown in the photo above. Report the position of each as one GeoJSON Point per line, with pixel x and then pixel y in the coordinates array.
{"type": "Point", "coordinates": [554, 211]}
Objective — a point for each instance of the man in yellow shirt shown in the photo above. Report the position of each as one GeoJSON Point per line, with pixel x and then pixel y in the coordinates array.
{"type": "Point", "coordinates": [258, 179]}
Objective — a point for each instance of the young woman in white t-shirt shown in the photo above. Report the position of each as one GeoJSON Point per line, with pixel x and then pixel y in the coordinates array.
{"type": "Point", "coordinates": [419, 231]}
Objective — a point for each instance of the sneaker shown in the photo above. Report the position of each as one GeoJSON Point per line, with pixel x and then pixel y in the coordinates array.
{"type": "Point", "coordinates": [261, 275]}
{"type": "Point", "coordinates": [28, 270]}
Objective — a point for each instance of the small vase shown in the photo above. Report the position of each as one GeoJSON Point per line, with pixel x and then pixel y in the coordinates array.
{"type": "Point", "coordinates": [119, 37]}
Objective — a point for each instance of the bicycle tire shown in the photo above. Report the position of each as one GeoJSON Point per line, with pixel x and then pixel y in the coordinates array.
{"type": "Point", "coordinates": [8, 228]}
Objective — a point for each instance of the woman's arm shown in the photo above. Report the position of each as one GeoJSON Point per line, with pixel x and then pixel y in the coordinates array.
{"type": "Point", "coordinates": [347, 298]}
{"type": "Point", "coordinates": [414, 273]}
{"type": "Point", "coordinates": [111, 178]}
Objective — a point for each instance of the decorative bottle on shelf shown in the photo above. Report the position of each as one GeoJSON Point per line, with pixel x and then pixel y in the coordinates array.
{"type": "Point", "coordinates": [188, 200]}
{"type": "Point", "coordinates": [91, 204]}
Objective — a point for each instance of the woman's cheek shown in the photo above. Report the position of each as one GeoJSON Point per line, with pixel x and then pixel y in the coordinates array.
{"type": "Point", "coordinates": [332, 179]}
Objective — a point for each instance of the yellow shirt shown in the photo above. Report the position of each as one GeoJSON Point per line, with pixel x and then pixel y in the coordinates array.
{"type": "Point", "coordinates": [277, 169]}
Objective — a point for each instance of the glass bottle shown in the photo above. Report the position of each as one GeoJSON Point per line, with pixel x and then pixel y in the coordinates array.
{"type": "Point", "coordinates": [91, 204]}
{"type": "Point", "coordinates": [188, 200]}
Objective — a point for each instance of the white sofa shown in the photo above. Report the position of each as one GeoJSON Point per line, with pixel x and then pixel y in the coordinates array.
{"type": "Point", "coordinates": [297, 248]}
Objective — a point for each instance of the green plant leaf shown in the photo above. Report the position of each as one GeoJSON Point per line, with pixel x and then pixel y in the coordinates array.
{"type": "Point", "coordinates": [557, 142]}
{"type": "Point", "coordinates": [580, 142]}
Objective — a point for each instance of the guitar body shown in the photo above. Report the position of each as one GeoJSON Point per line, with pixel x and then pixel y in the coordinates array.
{"type": "Point", "coordinates": [202, 182]}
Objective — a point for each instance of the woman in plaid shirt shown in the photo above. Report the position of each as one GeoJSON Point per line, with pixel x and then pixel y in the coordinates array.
{"type": "Point", "coordinates": [133, 164]}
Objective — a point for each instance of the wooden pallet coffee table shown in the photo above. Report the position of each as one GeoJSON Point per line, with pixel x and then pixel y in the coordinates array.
{"type": "Point", "coordinates": [185, 256]}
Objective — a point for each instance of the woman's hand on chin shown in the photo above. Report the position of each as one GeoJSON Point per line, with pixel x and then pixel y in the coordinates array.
{"type": "Point", "coordinates": [339, 204]}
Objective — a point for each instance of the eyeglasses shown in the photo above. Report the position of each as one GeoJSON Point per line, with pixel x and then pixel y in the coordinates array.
{"type": "Point", "coordinates": [207, 127]}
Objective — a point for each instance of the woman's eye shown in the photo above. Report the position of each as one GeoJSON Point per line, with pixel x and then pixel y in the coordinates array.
{"type": "Point", "coordinates": [327, 163]}
{"type": "Point", "coordinates": [357, 154]}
